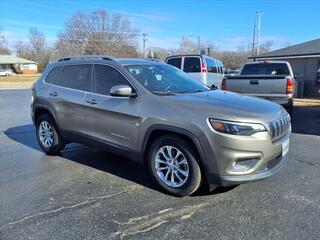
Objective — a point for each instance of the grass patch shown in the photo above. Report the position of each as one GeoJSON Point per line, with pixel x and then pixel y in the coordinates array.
{"type": "Point", "coordinates": [20, 78]}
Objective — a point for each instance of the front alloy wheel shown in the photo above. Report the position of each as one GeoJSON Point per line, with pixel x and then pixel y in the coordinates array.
{"type": "Point", "coordinates": [173, 164]}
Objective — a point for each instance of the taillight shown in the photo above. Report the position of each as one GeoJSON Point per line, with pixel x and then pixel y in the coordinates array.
{"type": "Point", "coordinates": [290, 85]}
{"type": "Point", "coordinates": [203, 68]}
{"type": "Point", "coordinates": [224, 84]}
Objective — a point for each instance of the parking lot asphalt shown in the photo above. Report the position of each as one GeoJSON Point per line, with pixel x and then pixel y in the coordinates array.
{"type": "Point", "coordinates": [87, 193]}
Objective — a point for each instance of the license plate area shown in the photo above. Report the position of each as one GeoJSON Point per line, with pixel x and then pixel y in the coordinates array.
{"type": "Point", "coordinates": [285, 147]}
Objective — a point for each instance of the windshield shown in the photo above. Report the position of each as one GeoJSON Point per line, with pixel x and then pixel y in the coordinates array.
{"type": "Point", "coordinates": [165, 79]}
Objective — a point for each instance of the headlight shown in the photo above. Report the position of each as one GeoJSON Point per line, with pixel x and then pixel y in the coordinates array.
{"type": "Point", "coordinates": [237, 128]}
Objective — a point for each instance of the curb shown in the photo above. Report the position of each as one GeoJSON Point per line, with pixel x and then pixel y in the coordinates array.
{"type": "Point", "coordinates": [305, 100]}
{"type": "Point", "coordinates": [15, 85]}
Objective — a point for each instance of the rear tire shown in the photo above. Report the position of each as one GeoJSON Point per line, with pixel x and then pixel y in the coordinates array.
{"type": "Point", "coordinates": [48, 136]}
{"type": "Point", "coordinates": [173, 165]}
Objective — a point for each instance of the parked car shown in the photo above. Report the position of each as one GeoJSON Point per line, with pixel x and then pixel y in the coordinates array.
{"type": "Point", "coordinates": [207, 70]}
{"type": "Point", "coordinates": [5, 72]}
{"type": "Point", "coordinates": [186, 133]}
{"type": "Point", "coordinates": [272, 80]}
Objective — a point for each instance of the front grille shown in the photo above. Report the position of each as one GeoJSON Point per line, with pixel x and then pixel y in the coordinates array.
{"type": "Point", "coordinates": [278, 128]}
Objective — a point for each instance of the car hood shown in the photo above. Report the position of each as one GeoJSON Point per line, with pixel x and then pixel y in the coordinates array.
{"type": "Point", "coordinates": [228, 106]}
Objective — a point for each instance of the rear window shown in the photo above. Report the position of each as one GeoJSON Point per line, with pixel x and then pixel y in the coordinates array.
{"type": "Point", "coordinates": [265, 69]}
{"type": "Point", "coordinates": [176, 62]}
{"type": "Point", "coordinates": [211, 65]}
{"type": "Point", "coordinates": [192, 64]}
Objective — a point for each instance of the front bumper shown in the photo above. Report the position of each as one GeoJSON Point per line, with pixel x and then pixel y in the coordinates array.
{"type": "Point", "coordinates": [223, 150]}
{"type": "Point", "coordinates": [273, 167]}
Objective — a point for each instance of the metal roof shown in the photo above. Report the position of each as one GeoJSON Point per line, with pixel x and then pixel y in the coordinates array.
{"type": "Point", "coordinates": [10, 59]}
{"type": "Point", "coordinates": [303, 49]}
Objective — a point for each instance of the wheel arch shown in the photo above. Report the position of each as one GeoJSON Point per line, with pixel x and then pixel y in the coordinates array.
{"type": "Point", "coordinates": [157, 131]}
{"type": "Point", "coordinates": [40, 109]}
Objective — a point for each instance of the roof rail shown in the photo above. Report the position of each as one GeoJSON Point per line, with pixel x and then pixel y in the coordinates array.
{"type": "Point", "coordinates": [86, 57]}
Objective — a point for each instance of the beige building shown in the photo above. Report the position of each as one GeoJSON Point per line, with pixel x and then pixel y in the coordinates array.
{"type": "Point", "coordinates": [18, 65]}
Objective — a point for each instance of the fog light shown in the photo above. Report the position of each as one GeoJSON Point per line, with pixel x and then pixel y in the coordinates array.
{"type": "Point", "coordinates": [243, 165]}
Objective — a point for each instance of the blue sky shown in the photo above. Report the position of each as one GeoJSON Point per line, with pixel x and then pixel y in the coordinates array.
{"type": "Point", "coordinates": [226, 24]}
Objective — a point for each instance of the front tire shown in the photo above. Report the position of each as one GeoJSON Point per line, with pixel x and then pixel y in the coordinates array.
{"type": "Point", "coordinates": [173, 165]}
{"type": "Point", "coordinates": [48, 136]}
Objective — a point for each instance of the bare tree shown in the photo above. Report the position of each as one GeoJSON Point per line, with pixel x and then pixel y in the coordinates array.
{"type": "Point", "coordinates": [23, 50]}
{"type": "Point", "coordinates": [97, 33]}
{"type": "Point", "coordinates": [36, 49]}
{"type": "Point", "coordinates": [37, 41]}
{"type": "Point", "coordinates": [232, 59]}
{"type": "Point", "coordinates": [40, 51]}
{"type": "Point", "coordinates": [187, 46]}
{"type": "Point", "coordinates": [158, 53]}
{"type": "Point", "coordinates": [266, 46]}
{"type": "Point", "coordinates": [4, 50]}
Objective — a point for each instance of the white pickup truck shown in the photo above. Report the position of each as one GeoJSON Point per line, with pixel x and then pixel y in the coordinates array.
{"type": "Point", "coordinates": [273, 80]}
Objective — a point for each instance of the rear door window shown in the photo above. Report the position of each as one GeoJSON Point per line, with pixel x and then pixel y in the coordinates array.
{"type": "Point", "coordinates": [211, 65]}
{"type": "Point", "coordinates": [54, 76]}
{"type": "Point", "coordinates": [176, 62]}
{"type": "Point", "coordinates": [106, 77]}
{"type": "Point", "coordinates": [192, 64]}
{"type": "Point", "coordinates": [76, 77]}
{"type": "Point", "coordinates": [265, 69]}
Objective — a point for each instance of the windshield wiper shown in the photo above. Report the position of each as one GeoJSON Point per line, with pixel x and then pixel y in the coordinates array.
{"type": "Point", "coordinates": [193, 91]}
{"type": "Point", "coordinates": [167, 93]}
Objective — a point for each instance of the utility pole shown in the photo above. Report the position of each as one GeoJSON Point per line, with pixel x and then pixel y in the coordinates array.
{"type": "Point", "coordinates": [253, 39]}
{"type": "Point", "coordinates": [259, 14]}
{"type": "Point", "coordinates": [144, 39]}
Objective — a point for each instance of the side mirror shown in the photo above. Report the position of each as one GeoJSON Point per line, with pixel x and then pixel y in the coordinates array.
{"type": "Point", "coordinates": [122, 91]}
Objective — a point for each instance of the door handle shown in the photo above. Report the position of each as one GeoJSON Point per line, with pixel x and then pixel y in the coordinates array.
{"type": "Point", "coordinates": [54, 94]}
{"type": "Point", "coordinates": [254, 82]}
{"type": "Point", "coordinates": [92, 101]}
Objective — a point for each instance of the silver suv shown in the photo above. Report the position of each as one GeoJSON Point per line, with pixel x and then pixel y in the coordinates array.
{"type": "Point", "coordinates": [186, 133]}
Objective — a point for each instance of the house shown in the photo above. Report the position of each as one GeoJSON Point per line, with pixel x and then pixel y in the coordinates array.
{"type": "Point", "coordinates": [18, 65]}
{"type": "Point", "coordinates": [304, 59]}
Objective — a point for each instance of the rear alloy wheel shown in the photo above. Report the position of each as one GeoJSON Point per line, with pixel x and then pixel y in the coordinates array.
{"type": "Point", "coordinates": [173, 165]}
{"type": "Point", "coordinates": [47, 135]}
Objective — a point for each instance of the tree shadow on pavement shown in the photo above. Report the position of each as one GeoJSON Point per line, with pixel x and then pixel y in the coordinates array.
{"type": "Point", "coordinates": [98, 159]}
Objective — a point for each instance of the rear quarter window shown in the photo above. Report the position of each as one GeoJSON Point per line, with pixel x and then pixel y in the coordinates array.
{"type": "Point", "coordinates": [192, 64]}
{"type": "Point", "coordinates": [211, 65]}
{"type": "Point", "coordinates": [176, 62]}
{"type": "Point", "coordinates": [266, 69]}
{"type": "Point", "coordinates": [54, 76]}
